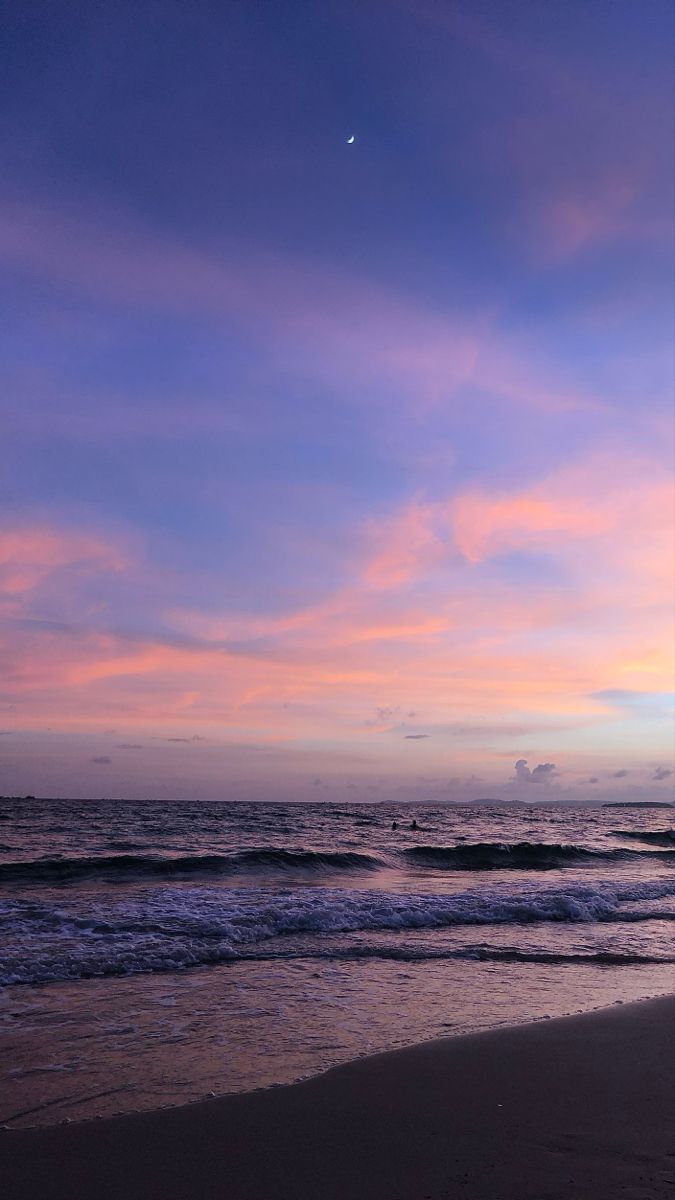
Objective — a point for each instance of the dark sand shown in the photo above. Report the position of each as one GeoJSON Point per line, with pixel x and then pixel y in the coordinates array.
{"type": "Point", "coordinates": [572, 1108]}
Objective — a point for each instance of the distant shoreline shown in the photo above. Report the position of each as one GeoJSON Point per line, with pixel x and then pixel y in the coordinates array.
{"type": "Point", "coordinates": [639, 804]}
{"type": "Point", "coordinates": [362, 802]}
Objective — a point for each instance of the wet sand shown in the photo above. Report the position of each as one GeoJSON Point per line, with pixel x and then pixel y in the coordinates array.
{"type": "Point", "coordinates": [581, 1107]}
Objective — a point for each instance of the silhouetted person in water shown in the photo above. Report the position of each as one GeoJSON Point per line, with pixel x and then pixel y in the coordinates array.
{"type": "Point", "coordinates": [394, 824]}
{"type": "Point", "coordinates": [414, 825]}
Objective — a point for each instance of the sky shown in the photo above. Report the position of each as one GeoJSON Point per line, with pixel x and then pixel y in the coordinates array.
{"type": "Point", "coordinates": [337, 467]}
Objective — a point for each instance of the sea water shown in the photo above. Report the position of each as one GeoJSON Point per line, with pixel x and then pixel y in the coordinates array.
{"type": "Point", "coordinates": [154, 953]}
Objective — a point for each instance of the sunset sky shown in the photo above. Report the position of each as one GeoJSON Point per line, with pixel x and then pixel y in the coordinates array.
{"type": "Point", "coordinates": [337, 469]}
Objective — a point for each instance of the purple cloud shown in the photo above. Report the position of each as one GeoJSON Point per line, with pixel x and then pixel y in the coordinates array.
{"type": "Point", "coordinates": [541, 773]}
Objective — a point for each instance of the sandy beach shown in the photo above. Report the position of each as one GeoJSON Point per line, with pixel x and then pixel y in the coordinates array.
{"type": "Point", "coordinates": [576, 1107]}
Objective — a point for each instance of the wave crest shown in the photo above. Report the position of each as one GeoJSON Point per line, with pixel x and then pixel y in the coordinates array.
{"type": "Point", "coordinates": [653, 837]}
{"type": "Point", "coordinates": [531, 856]}
{"type": "Point", "coordinates": [132, 866]}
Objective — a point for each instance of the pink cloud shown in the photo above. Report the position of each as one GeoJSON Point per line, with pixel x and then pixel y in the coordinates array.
{"type": "Point", "coordinates": [405, 542]}
{"type": "Point", "coordinates": [29, 555]}
{"type": "Point", "coordinates": [430, 621]}
{"type": "Point", "coordinates": [484, 525]}
{"type": "Point", "coordinates": [603, 504]}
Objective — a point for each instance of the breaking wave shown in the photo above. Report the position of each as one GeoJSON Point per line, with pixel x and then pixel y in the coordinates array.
{"type": "Point", "coordinates": [169, 929]}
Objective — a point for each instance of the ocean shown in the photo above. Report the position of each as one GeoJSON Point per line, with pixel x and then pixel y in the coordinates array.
{"type": "Point", "coordinates": [154, 953]}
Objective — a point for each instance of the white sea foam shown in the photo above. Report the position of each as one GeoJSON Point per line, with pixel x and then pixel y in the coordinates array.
{"type": "Point", "coordinates": [170, 928]}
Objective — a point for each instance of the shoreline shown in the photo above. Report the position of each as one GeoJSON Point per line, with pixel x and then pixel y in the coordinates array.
{"type": "Point", "coordinates": [572, 1106]}
{"type": "Point", "coordinates": [365, 1056]}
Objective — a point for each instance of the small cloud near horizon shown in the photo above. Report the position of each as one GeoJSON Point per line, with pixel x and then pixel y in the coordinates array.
{"type": "Point", "coordinates": [185, 740]}
{"type": "Point", "coordinates": [102, 759]}
{"type": "Point", "coordinates": [416, 737]}
{"type": "Point", "coordinates": [661, 773]}
{"type": "Point", "coordinates": [129, 746]}
{"type": "Point", "coordinates": [620, 774]}
{"type": "Point", "coordinates": [541, 773]}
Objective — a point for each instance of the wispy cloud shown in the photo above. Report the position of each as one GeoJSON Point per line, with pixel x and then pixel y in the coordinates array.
{"type": "Point", "coordinates": [317, 318]}
{"type": "Point", "coordinates": [28, 556]}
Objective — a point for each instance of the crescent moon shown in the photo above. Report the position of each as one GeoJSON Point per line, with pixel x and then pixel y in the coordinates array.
{"type": "Point", "coordinates": [350, 140]}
